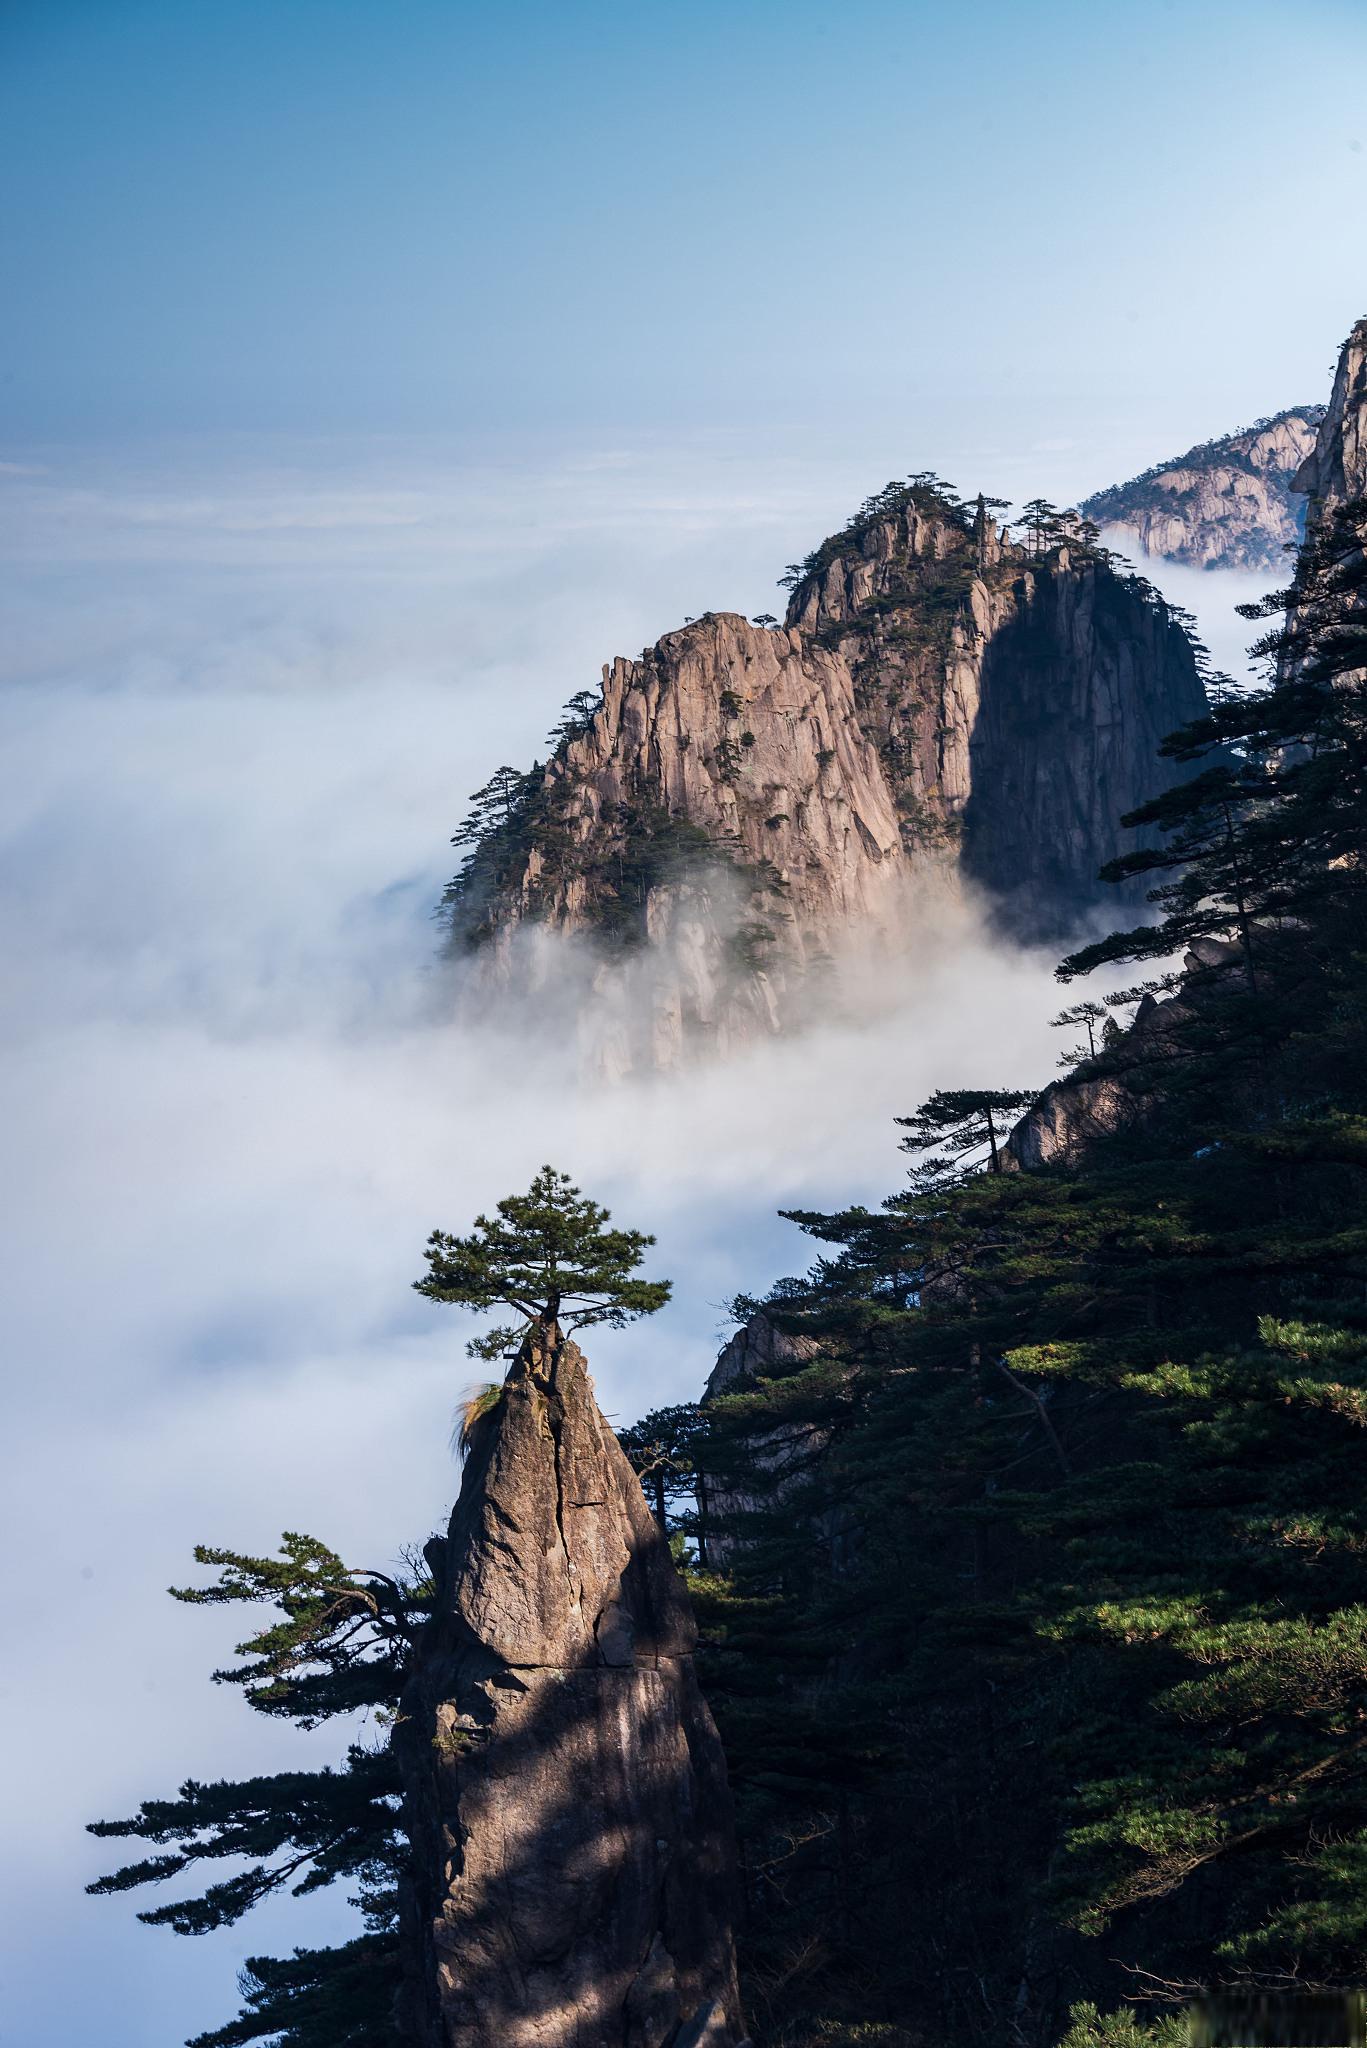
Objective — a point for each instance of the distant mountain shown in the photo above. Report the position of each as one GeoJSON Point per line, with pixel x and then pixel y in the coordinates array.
{"type": "Point", "coordinates": [1226, 504]}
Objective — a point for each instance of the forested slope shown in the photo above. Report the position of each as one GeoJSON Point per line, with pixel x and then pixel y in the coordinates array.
{"type": "Point", "coordinates": [1041, 1655]}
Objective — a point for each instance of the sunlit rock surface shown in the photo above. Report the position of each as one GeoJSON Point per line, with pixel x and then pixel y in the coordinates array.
{"type": "Point", "coordinates": [1232, 503]}
{"type": "Point", "coordinates": [940, 710]}
{"type": "Point", "coordinates": [565, 1785]}
{"type": "Point", "coordinates": [1125, 1084]}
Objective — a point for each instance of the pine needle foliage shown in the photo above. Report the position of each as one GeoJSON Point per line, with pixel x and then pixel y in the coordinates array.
{"type": "Point", "coordinates": [664, 1449]}
{"type": "Point", "coordinates": [316, 1998]}
{"type": "Point", "coordinates": [337, 1644]}
{"type": "Point", "coordinates": [341, 1636]}
{"type": "Point", "coordinates": [960, 1128]}
{"type": "Point", "coordinates": [550, 1257]}
{"type": "Point", "coordinates": [1041, 1654]}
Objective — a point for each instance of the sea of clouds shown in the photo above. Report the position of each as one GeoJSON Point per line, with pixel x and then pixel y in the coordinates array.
{"type": "Point", "coordinates": [245, 695]}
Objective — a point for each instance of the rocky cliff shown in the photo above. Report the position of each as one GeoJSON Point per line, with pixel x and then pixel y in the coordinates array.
{"type": "Point", "coordinates": [566, 1792]}
{"type": "Point", "coordinates": [1334, 470]}
{"type": "Point", "coordinates": [1121, 1087]}
{"type": "Point", "coordinates": [1227, 504]}
{"type": "Point", "coordinates": [746, 796]}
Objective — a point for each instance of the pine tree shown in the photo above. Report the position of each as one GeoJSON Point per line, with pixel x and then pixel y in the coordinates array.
{"type": "Point", "coordinates": [1076, 1556]}
{"type": "Point", "coordinates": [1088, 1014]}
{"type": "Point", "coordinates": [1041, 522]}
{"type": "Point", "coordinates": [576, 719]}
{"type": "Point", "coordinates": [665, 1448]}
{"type": "Point", "coordinates": [503, 818]}
{"type": "Point", "coordinates": [1271, 830]}
{"type": "Point", "coordinates": [339, 1645]}
{"type": "Point", "coordinates": [549, 1256]}
{"type": "Point", "coordinates": [491, 807]}
{"type": "Point", "coordinates": [957, 1127]}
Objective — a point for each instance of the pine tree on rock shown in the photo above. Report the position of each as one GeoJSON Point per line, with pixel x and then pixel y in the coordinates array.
{"type": "Point", "coordinates": [345, 1641]}
{"type": "Point", "coordinates": [492, 806]}
{"type": "Point", "coordinates": [572, 1868]}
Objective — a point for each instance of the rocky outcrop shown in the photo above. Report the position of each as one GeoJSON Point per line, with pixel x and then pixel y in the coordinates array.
{"type": "Point", "coordinates": [1335, 469]}
{"type": "Point", "coordinates": [1017, 702]}
{"type": "Point", "coordinates": [721, 819]}
{"type": "Point", "coordinates": [1227, 504]}
{"type": "Point", "coordinates": [939, 702]}
{"type": "Point", "coordinates": [1124, 1084]}
{"type": "Point", "coordinates": [566, 1792]}
{"type": "Point", "coordinates": [758, 1350]}
{"type": "Point", "coordinates": [1069, 1118]}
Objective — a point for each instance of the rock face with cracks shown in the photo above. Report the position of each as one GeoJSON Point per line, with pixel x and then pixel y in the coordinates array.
{"type": "Point", "coordinates": [564, 1783]}
{"type": "Point", "coordinates": [941, 706]}
{"type": "Point", "coordinates": [1228, 504]}
{"type": "Point", "coordinates": [1335, 470]}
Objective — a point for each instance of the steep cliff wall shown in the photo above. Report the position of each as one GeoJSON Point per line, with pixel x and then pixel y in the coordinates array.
{"type": "Point", "coordinates": [745, 796]}
{"type": "Point", "coordinates": [1335, 469]}
{"type": "Point", "coordinates": [1018, 702]}
{"type": "Point", "coordinates": [1079, 687]}
{"type": "Point", "coordinates": [723, 815]}
{"type": "Point", "coordinates": [565, 1790]}
{"type": "Point", "coordinates": [1227, 504]}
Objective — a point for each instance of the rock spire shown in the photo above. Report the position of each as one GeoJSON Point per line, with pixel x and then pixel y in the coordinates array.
{"type": "Point", "coordinates": [565, 1787]}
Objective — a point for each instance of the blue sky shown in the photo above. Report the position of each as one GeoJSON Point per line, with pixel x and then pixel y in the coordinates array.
{"type": "Point", "coordinates": [342, 215]}
{"type": "Point", "coordinates": [369, 374]}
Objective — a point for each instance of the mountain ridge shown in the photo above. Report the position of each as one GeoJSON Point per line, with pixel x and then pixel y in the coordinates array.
{"type": "Point", "coordinates": [1232, 502]}
{"type": "Point", "coordinates": [942, 706]}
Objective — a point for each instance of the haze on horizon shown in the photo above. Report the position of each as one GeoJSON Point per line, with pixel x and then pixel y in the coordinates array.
{"type": "Point", "coordinates": [371, 374]}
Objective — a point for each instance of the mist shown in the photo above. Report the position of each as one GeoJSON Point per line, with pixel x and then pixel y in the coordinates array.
{"type": "Point", "coordinates": [244, 705]}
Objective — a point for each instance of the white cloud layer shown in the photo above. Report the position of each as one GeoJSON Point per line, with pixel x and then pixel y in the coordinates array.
{"type": "Point", "coordinates": [242, 710]}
